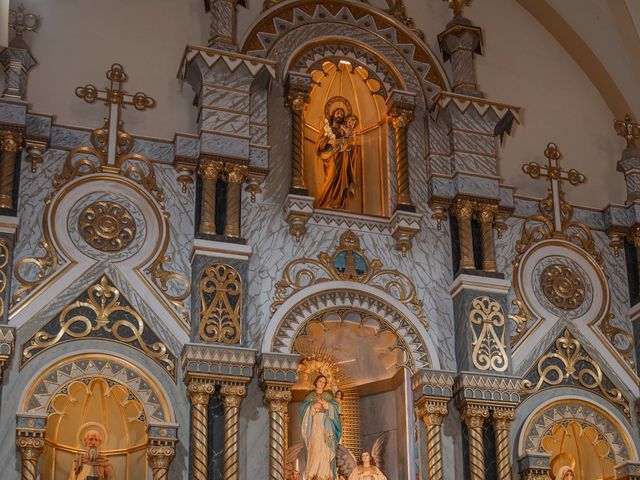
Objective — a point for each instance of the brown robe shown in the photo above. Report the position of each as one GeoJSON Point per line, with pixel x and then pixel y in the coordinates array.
{"type": "Point", "coordinates": [101, 468]}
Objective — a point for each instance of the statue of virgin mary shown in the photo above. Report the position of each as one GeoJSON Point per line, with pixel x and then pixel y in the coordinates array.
{"type": "Point", "coordinates": [321, 432]}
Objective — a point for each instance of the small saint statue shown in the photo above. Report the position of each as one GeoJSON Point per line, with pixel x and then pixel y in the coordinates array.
{"type": "Point", "coordinates": [90, 464]}
{"type": "Point", "coordinates": [367, 470]}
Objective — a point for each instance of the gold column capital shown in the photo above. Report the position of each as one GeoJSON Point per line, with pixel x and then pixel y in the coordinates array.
{"type": "Point", "coordinates": [10, 140]}
{"type": "Point", "coordinates": [277, 398]}
{"type": "Point", "coordinates": [501, 418]}
{"type": "Point", "coordinates": [297, 99]}
{"type": "Point", "coordinates": [210, 169]}
{"type": "Point", "coordinates": [200, 392]}
{"type": "Point", "coordinates": [634, 235]}
{"type": "Point", "coordinates": [236, 173]}
{"type": "Point", "coordinates": [400, 117]}
{"type": "Point", "coordinates": [232, 395]}
{"type": "Point", "coordinates": [474, 415]}
{"type": "Point", "coordinates": [487, 212]}
{"type": "Point", "coordinates": [463, 209]}
{"type": "Point", "coordinates": [432, 411]}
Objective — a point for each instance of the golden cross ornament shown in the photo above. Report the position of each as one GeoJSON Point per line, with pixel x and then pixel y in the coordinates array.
{"type": "Point", "coordinates": [458, 6]}
{"type": "Point", "coordinates": [628, 130]}
{"type": "Point", "coordinates": [22, 22]}
{"type": "Point", "coordinates": [116, 98]}
{"type": "Point", "coordinates": [555, 175]}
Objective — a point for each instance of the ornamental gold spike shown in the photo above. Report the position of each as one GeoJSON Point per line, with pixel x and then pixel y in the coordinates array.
{"type": "Point", "coordinates": [628, 130]}
{"type": "Point", "coordinates": [458, 6]}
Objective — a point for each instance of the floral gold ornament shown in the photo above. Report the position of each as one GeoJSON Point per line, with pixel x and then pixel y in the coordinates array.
{"type": "Point", "coordinates": [562, 286]}
{"type": "Point", "coordinates": [220, 305]}
{"type": "Point", "coordinates": [566, 363]}
{"type": "Point", "coordinates": [487, 322]}
{"type": "Point", "coordinates": [101, 312]}
{"type": "Point", "coordinates": [628, 130]}
{"type": "Point", "coordinates": [107, 226]}
{"type": "Point", "coordinates": [458, 6]}
{"type": "Point", "coordinates": [348, 262]}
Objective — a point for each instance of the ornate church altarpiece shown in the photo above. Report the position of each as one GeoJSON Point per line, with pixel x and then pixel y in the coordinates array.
{"type": "Point", "coordinates": [103, 393]}
{"type": "Point", "coordinates": [559, 273]}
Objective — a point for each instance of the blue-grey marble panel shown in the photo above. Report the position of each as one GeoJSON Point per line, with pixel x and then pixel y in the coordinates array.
{"type": "Point", "coordinates": [479, 186]}
{"type": "Point", "coordinates": [154, 150]}
{"type": "Point", "coordinates": [224, 145]}
{"type": "Point", "coordinates": [38, 126]}
{"type": "Point", "coordinates": [65, 137]}
{"type": "Point", "coordinates": [187, 146]}
{"type": "Point", "coordinates": [13, 113]}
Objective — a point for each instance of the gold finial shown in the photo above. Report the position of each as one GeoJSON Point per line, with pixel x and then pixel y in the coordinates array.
{"type": "Point", "coordinates": [627, 129]}
{"type": "Point", "coordinates": [22, 22]}
{"type": "Point", "coordinates": [458, 6]}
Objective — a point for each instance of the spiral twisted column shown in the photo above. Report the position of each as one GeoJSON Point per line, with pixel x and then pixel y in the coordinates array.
{"type": "Point", "coordinates": [501, 420]}
{"type": "Point", "coordinates": [10, 144]}
{"type": "Point", "coordinates": [401, 115]}
{"type": "Point", "coordinates": [298, 88]}
{"type": "Point", "coordinates": [432, 413]}
{"type": "Point", "coordinates": [236, 175]}
{"type": "Point", "coordinates": [463, 211]}
{"type": "Point", "coordinates": [232, 395]}
{"type": "Point", "coordinates": [209, 171]}
{"type": "Point", "coordinates": [200, 393]}
{"type": "Point", "coordinates": [474, 417]}
{"type": "Point", "coordinates": [160, 457]}
{"type": "Point", "coordinates": [277, 400]}
{"type": "Point", "coordinates": [486, 215]}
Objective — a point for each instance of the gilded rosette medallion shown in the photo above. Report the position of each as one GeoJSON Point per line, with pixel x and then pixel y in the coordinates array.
{"type": "Point", "coordinates": [562, 286]}
{"type": "Point", "coordinates": [107, 226]}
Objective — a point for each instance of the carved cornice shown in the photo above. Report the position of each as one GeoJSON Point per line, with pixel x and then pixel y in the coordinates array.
{"type": "Point", "coordinates": [432, 383]}
{"type": "Point", "coordinates": [484, 389]}
{"type": "Point", "coordinates": [7, 340]}
{"type": "Point", "coordinates": [278, 370]}
{"type": "Point", "coordinates": [217, 363]}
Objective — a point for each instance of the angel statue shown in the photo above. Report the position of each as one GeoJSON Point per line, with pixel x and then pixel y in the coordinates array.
{"type": "Point", "coordinates": [321, 432]}
{"type": "Point", "coordinates": [369, 467]}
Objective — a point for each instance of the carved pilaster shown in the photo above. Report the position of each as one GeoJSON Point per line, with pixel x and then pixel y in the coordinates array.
{"type": "Point", "coordinates": [486, 214]}
{"type": "Point", "coordinates": [200, 393]}
{"type": "Point", "coordinates": [474, 417]}
{"type": "Point", "coordinates": [501, 419]}
{"type": "Point", "coordinates": [17, 59]}
{"type": "Point", "coordinates": [298, 210]}
{"type": "Point", "coordinates": [7, 338]}
{"type": "Point", "coordinates": [30, 443]}
{"type": "Point", "coordinates": [401, 106]}
{"type": "Point", "coordinates": [298, 86]}
{"type": "Point", "coordinates": [232, 395]}
{"type": "Point", "coordinates": [209, 171]}
{"type": "Point", "coordinates": [535, 466]}
{"type": "Point", "coordinates": [222, 24]}
{"type": "Point", "coordinates": [277, 376]}
{"type": "Point", "coordinates": [235, 175]}
{"type": "Point", "coordinates": [10, 144]}
{"type": "Point", "coordinates": [161, 449]}
{"type": "Point", "coordinates": [463, 210]}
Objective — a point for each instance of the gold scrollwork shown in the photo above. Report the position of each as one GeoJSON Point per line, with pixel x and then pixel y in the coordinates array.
{"type": "Point", "coordinates": [621, 339]}
{"type": "Point", "coordinates": [348, 262]}
{"type": "Point", "coordinates": [487, 322]}
{"type": "Point", "coordinates": [101, 312]}
{"type": "Point", "coordinates": [562, 286]}
{"type": "Point", "coordinates": [32, 271]}
{"type": "Point", "coordinates": [220, 304]}
{"type": "Point", "coordinates": [568, 363]}
{"type": "Point", "coordinates": [4, 261]}
{"type": "Point", "coordinates": [107, 226]}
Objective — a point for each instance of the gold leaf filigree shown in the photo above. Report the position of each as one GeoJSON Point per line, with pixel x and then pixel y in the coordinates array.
{"type": "Point", "coordinates": [567, 363]}
{"type": "Point", "coordinates": [562, 286]}
{"type": "Point", "coordinates": [348, 262]}
{"type": "Point", "coordinates": [100, 313]}
{"type": "Point", "coordinates": [220, 305]}
{"type": "Point", "coordinates": [621, 339]}
{"type": "Point", "coordinates": [107, 226]}
{"type": "Point", "coordinates": [486, 319]}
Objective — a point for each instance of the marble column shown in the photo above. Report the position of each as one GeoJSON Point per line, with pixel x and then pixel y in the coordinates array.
{"type": "Point", "coordinates": [161, 448]}
{"type": "Point", "coordinates": [535, 466]}
{"type": "Point", "coordinates": [200, 393]}
{"type": "Point", "coordinates": [209, 171]}
{"type": "Point", "coordinates": [235, 176]}
{"type": "Point", "coordinates": [232, 395]}
{"type": "Point", "coordinates": [401, 106]}
{"type": "Point", "coordinates": [10, 144]}
{"type": "Point", "coordinates": [277, 376]}
{"type": "Point", "coordinates": [222, 24]}
{"type": "Point", "coordinates": [297, 86]}
{"type": "Point", "coordinates": [30, 443]}
{"type": "Point", "coordinates": [459, 43]}
{"type": "Point", "coordinates": [501, 419]}
{"type": "Point", "coordinates": [463, 210]}
{"type": "Point", "coordinates": [486, 214]}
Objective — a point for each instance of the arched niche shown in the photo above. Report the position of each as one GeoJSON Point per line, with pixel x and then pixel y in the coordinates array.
{"type": "Point", "coordinates": [578, 433]}
{"type": "Point", "coordinates": [93, 391]}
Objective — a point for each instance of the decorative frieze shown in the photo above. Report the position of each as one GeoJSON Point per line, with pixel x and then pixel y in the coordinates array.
{"type": "Point", "coordinates": [221, 291]}
{"type": "Point", "coordinates": [535, 466]}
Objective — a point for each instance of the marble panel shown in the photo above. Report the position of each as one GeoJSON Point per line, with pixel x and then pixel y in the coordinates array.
{"type": "Point", "coordinates": [474, 163]}
{"type": "Point", "coordinates": [215, 96]}
{"type": "Point", "coordinates": [258, 133]}
{"type": "Point", "coordinates": [525, 207]}
{"type": "Point", "coordinates": [480, 186]}
{"type": "Point", "coordinates": [438, 164]}
{"type": "Point", "coordinates": [13, 113]}
{"type": "Point", "coordinates": [441, 187]}
{"type": "Point", "coordinates": [474, 142]}
{"type": "Point", "coordinates": [506, 197]}
{"type": "Point", "coordinates": [38, 126]}
{"type": "Point", "coordinates": [472, 120]}
{"type": "Point", "coordinates": [219, 74]}
{"type": "Point", "coordinates": [259, 157]}
{"type": "Point", "coordinates": [614, 215]}
{"type": "Point", "coordinates": [592, 218]}
{"type": "Point", "coordinates": [439, 139]}
{"type": "Point", "coordinates": [154, 150]}
{"type": "Point", "coordinates": [187, 146]}
{"type": "Point", "coordinates": [254, 423]}
{"type": "Point", "coordinates": [64, 137]}
{"type": "Point", "coordinates": [219, 144]}
{"type": "Point", "coordinates": [258, 100]}
{"type": "Point", "coordinates": [224, 121]}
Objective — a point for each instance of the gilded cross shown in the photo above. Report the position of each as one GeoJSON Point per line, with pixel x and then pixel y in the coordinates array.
{"type": "Point", "coordinates": [555, 175]}
{"type": "Point", "coordinates": [116, 98]}
{"type": "Point", "coordinates": [22, 22]}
